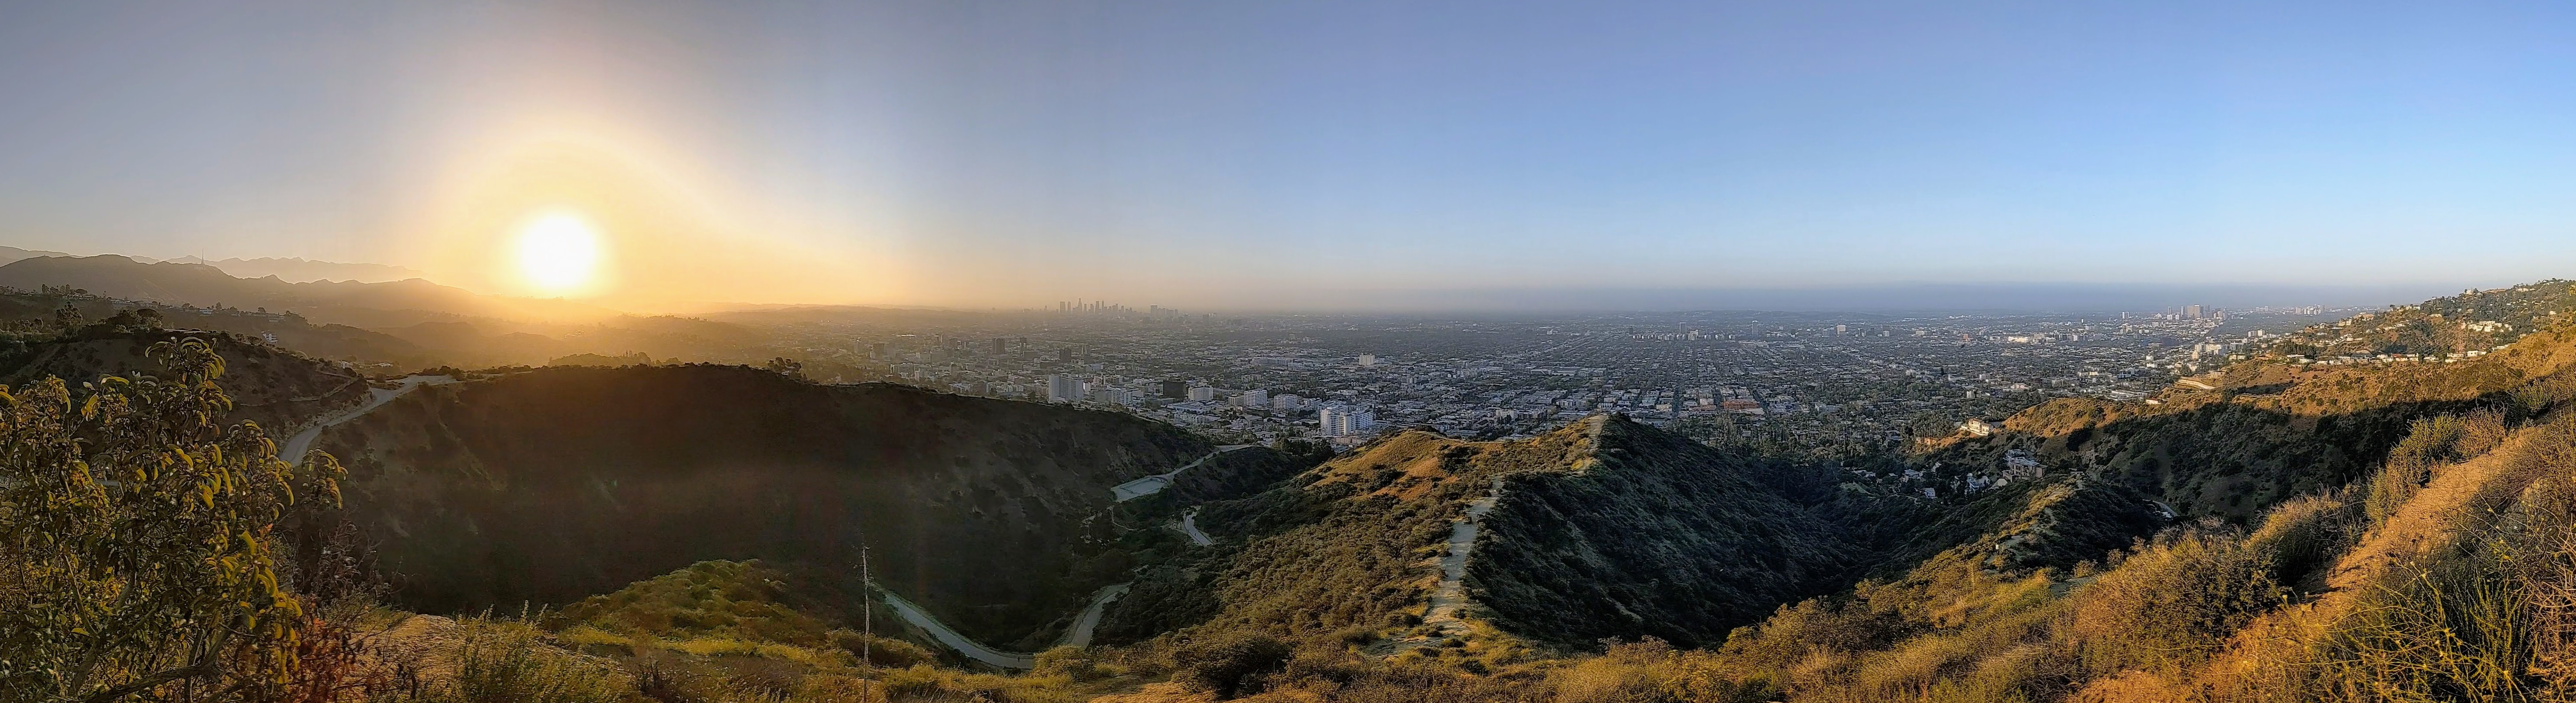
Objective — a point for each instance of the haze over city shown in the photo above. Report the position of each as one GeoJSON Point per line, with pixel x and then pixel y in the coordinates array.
{"type": "Point", "coordinates": [1314, 155]}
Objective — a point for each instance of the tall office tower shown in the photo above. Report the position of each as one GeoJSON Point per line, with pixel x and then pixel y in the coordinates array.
{"type": "Point", "coordinates": [2192, 312]}
{"type": "Point", "coordinates": [1064, 354]}
{"type": "Point", "coordinates": [1001, 346]}
{"type": "Point", "coordinates": [1176, 390]}
{"type": "Point", "coordinates": [1202, 394]}
{"type": "Point", "coordinates": [1286, 401]}
{"type": "Point", "coordinates": [1063, 388]}
{"type": "Point", "coordinates": [1255, 398]}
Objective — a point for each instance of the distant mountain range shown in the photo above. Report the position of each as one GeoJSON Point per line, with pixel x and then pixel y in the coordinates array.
{"type": "Point", "coordinates": [291, 270]}
{"type": "Point", "coordinates": [409, 323]}
{"type": "Point", "coordinates": [9, 254]}
{"type": "Point", "coordinates": [294, 270]}
{"type": "Point", "coordinates": [374, 305]}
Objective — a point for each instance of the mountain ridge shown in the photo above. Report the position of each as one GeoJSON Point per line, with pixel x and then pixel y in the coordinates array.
{"type": "Point", "coordinates": [346, 302]}
{"type": "Point", "coordinates": [300, 270]}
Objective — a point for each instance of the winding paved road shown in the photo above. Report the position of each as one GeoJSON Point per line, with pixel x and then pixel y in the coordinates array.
{"type": "Point", "coordinates": [376, 398]}
{"type": "Point", "coordinates": [1150, 485]}
{"type": "Point", "coordinates": [1080, 634]}
{"type": "Point", "coordinates": [940, 631]}
{"type": "Point", "coordinates": [1189, 525]}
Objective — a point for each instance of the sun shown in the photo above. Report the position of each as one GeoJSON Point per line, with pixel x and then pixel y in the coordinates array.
{"type": "Point", "coordinates": [558, 252]}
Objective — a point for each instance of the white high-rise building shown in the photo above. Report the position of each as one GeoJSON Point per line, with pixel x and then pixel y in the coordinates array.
{"type": "Point", "coordinates": [1202, 394]}
{"type": "Point", "coordinates": [1286, 401]}
{"type": "Point", "coordinates": [1063, 388]}
{"type": "Point", "coordinates": [1368, 359]}
{"type": "Point", "coordinates": [1344, 421]}
{"type": "Point", "coordinates": [1255, 398]}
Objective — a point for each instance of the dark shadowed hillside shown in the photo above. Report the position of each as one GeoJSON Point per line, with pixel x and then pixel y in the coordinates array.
{"type": "Point", "coordinates": [1647, 534]}
{"type": "Point", "coordinates": [560, 483]}
{"type": "Point", "coordinates": [1604, 528]}
{"type": "Point", "coordinates": [279, 389]}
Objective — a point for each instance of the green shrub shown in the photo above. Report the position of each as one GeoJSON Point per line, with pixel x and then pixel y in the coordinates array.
{"type": "Point", "coordinates": [2302, 537]}
{"type": "Point", "coordinates": [138, 536]}
{"type": "Point", "coordinates": [2460, 629]}
{"type": "Point", "coordinates": [1068, 661]}
{"type": "Point", "coordinates": [2173, 603]}
{"type": "Point", "coordinates": [1793, 632]}
{"type": "Point", "coordinates": [2429, 442]}
{"type": "Point", "coordinates": [509, 663]}
{"type": "Point", "coordinates": [1698, 677]}
{"type": "Point", "coordinates": [920, 680]}
{"type": "Point", "coordinates": [1229, 665]}
{"type": "Point", "coordinates": [882, 651]}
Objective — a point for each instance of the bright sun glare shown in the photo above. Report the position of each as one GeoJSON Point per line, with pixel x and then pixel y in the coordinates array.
{"type": "Point", "coordinates": [558, 252]}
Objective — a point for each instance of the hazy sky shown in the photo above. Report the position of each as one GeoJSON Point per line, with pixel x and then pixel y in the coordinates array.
{"type": "Point", "coordinates": [1243, 153]}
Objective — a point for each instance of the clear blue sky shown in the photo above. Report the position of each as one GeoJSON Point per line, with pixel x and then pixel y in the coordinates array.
{"type": "Point", "coordinates": [1208, 153]}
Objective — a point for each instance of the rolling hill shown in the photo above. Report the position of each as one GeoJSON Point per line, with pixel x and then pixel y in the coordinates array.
{"type": "Point", "coordinates": [1605, 528]}
{"type": "Point", "coordinates": [554, 484]}
{"type": "Point", "coordinates": [326, 341]}
{"type": "Point", "coordinates": [277, 388]}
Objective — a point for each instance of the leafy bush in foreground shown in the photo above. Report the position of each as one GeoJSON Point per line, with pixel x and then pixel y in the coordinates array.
{"type": "Point", "coordinates": [136, 537]}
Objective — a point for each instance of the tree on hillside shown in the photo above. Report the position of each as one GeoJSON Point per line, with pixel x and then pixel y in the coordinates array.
{"type": "Point", "coordinates": [136, 537]}
{"type": "Point", "coordinates": [134, 320]}
{"type": "Point", "coordinates": [785, 366]}
{"type": "Point", "coordinates": [67, 318]}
